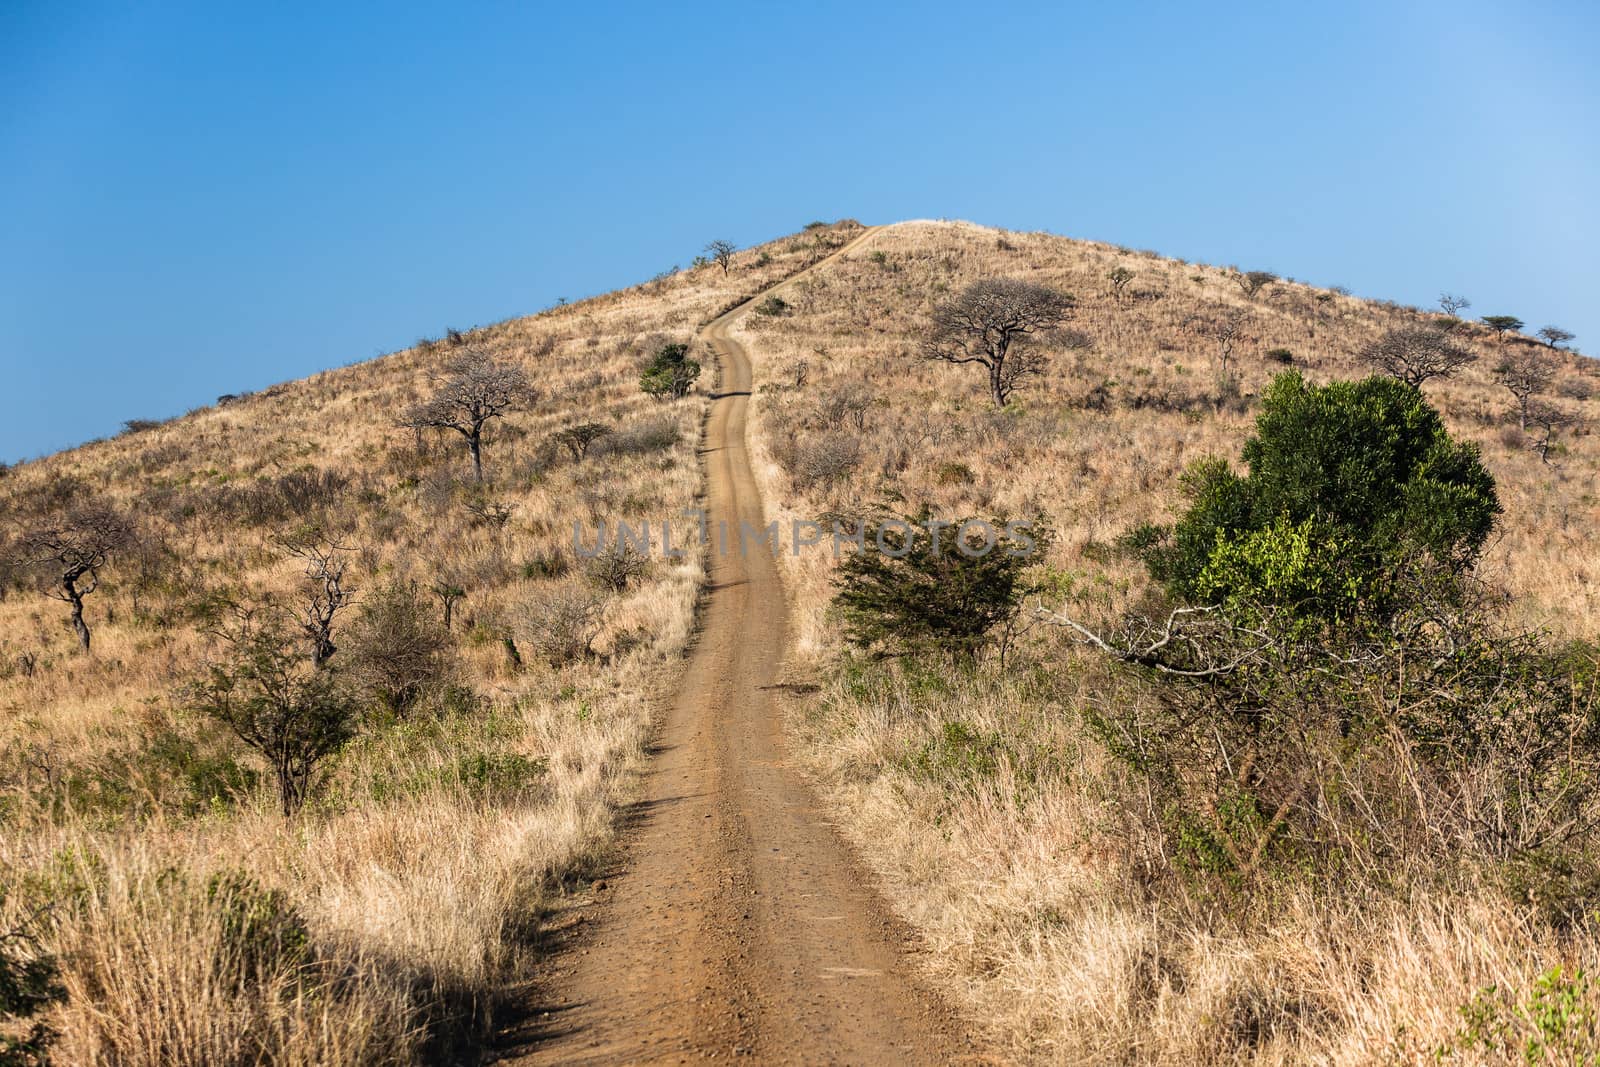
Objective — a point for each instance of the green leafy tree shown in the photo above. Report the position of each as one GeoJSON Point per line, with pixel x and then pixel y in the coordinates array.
{"type": "Point", "coordinates": [931, 587]}
{"type": "Point", "coordinates": [1503, 324]}
{"type": "Point", "coordinates": [1349, 487]}
{"type": "Point", "coordinates": [293, 715]}
{"type": "Point", "coordinates": [670, 373]}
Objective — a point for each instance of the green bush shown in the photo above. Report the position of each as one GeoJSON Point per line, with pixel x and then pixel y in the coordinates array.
{"type": "Point", "coordinates": [910, 590]}
{"type": "Point", "coordinates": [670, 373]}
{"type": "Point", "coordinates": [1349, 486]}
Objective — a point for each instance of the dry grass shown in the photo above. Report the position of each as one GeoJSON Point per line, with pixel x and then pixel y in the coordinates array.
{"type": "Point", "coordinates": [997, 827]}
{"type": "Point", "coordinates": [422, 867]}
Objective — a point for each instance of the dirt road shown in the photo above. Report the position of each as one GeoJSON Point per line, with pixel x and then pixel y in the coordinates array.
{"type": "Point", "coordinates": [736, 924]}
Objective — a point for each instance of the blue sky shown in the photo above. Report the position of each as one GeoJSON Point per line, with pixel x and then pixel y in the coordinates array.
{"type": "Point", "coordinates": [207, 198]}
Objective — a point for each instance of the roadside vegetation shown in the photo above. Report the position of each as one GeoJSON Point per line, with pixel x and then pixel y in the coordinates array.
{"type": "Point", "coordinates": [309, 711]}
{"type": "Point", "coordinates": [1284, 746]}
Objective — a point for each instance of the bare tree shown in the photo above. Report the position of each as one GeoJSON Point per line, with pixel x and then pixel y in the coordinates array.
{"type": "Point", "coordinates": [1252, 282]}
{"type": "Point", "coordinates": [721, 253]}
{"type": "Point", "coordinates": [326, 561]}
{"type": "Point", "coordinates": [995, 323]}
{"type": "Point", "coordinates": [1415, 354]}
{"type": "Point", "coordinates": [1524, 373]}
{"type": "Point", "coordinates": [1555, 336]}
{"type": "Point", "coordinates": [71, 553]}
{"type": "Point", "coordinates": [476, 390]}
{"type": "Point", "coordinates": [1228, 331]}
{"type": "Point", "coordinates": [1453, 305]}
{"type": "Point", "coordinates": [1550, 421]}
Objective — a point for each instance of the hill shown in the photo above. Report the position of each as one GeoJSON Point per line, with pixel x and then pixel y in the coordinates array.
{"type": "Point", "coordinates": [408, 893]}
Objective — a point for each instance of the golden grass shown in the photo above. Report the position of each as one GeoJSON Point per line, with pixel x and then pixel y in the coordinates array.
{"type": "Point", "coordinates": [1027, 886]}
{"type": "Point", "coordinates": [422, 867]}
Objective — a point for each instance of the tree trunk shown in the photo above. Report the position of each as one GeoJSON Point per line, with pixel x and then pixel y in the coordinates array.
{"type": "Point", "coordinates": [78, 625]}
{"type": "Point", "coordinates": [475, 444]}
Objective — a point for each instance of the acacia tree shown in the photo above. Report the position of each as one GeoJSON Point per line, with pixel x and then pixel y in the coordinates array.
{"type": "Point", "coordinates": [1453, 304]}
{"type": "Point", "coordinates": [476, 390]}
{"type": "Point", "coordinates": [1555, 336]}
{"type": "Point", "coordinates": [1524, 374]}
{"type": "Point", "coordinates": [997, 323]}
{"type": "Point", "coordinates": [1501, 324]}
{"type": "Point", "coordinates": [1414, 354]}
{"type": "Point", "coordinates": [71, 553]}
{"type": "Point", "coordinates": [1252, 282]}
{"type": "Point", "coordinates": [721, 253]}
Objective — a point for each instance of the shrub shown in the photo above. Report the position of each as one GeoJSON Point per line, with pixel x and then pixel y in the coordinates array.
{"type": "Point", "coordinates": [615, 566]}
{"type": "Point", "coordinates": [562, 622]}
{"type": "Point", "coordinates": [670, 374]}
{"type": "Point", "coordinates": [1280, 355]}
{"type": "Point", "coordinates": [822, 460]}
{"type": "Point", "coordinates": [773, 306]}
{"type": "Point", "coordinates": [932, 589]}
{"type": "Point", "coordinates": [1347, 485]}
{"type": "Point", "coordinates": [263, 935]}
{"type": "Point", "coordinates": [643, 437]}
{"type": "Point", "coordinates": [398, 648]}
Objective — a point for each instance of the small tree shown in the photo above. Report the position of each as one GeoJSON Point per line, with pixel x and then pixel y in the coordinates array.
{"type": "Point", "coordinates": [1415, 354]}
{"type": "Point", "coordinates": [70, 555]}
{"type": "Point", "coordinates": [1549, 421]}
{"type": "Point", "coordinates": [1227, 332]}
{"type": "Point", "coordinates": [670, 373]}
{"type": "Point", "coordinates": [1502, 324]}
{"type": "Point", "coordinates": [398, 650]}
{"type": "Point", "coordinates": [1524, 374]}
{"type": "Point", "coordinates": [1555, 336]}
{"type": "Point", "coordinates": [293, 717]}
{"type": "Point", "coordinates": [932, 587]}
{"type": "Point", "coordinates": [997, 323]}
{"type": "Point", "coordinates": [448, 593]}
{"type": "Point", "coordinates": [580, 438]}
{"type": "Point", "coordinates": [721, 253]}
{"type": "Point", "coordinates": [1252, 282]}
{"type": "Point", "coordinates": [1453, 305]}
{"type": "Point", "coordinates": [326, 594]}
{"type": "Point", "coordinates": [474, 391]}
{"type": "Point", "coordinates": [1119, 279]}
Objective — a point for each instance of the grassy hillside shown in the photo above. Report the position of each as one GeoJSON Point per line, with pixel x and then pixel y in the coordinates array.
{"type": "Point", "coordinates": [1029, 856]}
{"type": "Point", "coordinates": [142, 845]}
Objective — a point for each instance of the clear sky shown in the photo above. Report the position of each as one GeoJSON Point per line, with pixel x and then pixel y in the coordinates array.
{"type": "Point", "coordinates": [207, 198]}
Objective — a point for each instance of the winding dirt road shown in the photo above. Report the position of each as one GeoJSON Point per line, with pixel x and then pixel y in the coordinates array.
{"type": "Point", "coordinates": [737, 923]}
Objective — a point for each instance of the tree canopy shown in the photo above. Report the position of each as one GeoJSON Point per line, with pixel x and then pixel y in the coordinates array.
{"type": "Point", "coordinates": [1349, 487]}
